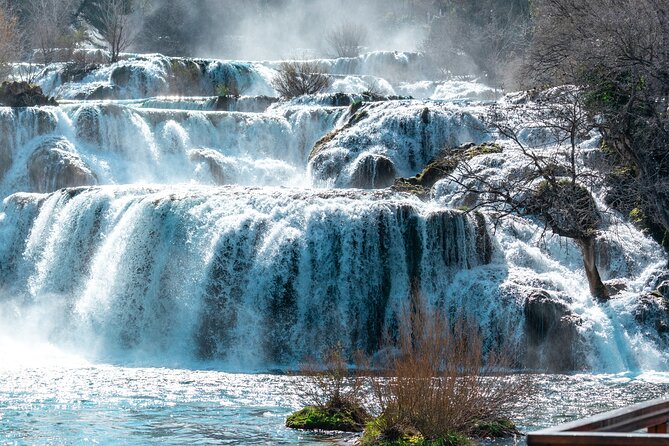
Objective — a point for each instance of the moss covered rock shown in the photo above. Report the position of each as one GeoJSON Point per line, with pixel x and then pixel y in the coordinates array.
{"type": "Point", "coordinates": [441, 167]}
{"type": "Point", "coordinates": [330, 419]}
{"type": "Point", "coordinates": [497, 428]}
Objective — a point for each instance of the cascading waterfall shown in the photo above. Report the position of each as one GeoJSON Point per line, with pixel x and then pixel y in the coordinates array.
{"type": "Point", "coordinates": [121, 144]}
{"type": "Point", "coordinates": [233, 228]}
{"type": "Point", "coordinates": [249, 276]}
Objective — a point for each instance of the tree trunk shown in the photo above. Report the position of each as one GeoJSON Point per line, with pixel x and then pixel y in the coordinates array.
{"type": "Point", "coordinates": [597, 287]}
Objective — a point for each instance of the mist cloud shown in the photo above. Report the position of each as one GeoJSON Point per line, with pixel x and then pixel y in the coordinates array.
{"type": "Point", "coordinates": [266, 29]}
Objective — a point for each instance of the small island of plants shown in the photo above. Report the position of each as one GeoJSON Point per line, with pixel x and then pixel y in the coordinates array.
{"type": "Point", "coordinates": [440, 386]}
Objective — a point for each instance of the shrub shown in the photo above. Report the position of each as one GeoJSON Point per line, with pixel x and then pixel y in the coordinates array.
{"type": "Point", "coordinates": [297, 78]}
{"type": "Point", "coordinates": [334, 395]}
{"type": "Point", "coordinates": [442, 383]}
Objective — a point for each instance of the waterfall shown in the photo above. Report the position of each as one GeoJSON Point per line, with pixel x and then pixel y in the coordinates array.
{"type": "Point", "coordinates": [247, 276]}
{"type": "Point", "coordinates": [148, 219]}
{"type": "Point", "coordinates": [118, 143]}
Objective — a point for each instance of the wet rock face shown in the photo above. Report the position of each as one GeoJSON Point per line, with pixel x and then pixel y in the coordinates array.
{"type": "Point", "coordinates": [553, 342]}
{"type": "Point", "coordinates": [101, 93]}
{"type": "Point", "coordinates": [88, 125]}
{"type": "Point", "coordinates": [122, 75]}
{"type": "Point", "coordinates": [54, 165]}
{"type": "Point", "coordinates": [373, 172]}
{"type": "Point", "coordinates": [652, 310]}
{"type": "Point", "coordinates": [75, 72]}
{"type": "Point", "coordinates": [23, 94]}
{"type": "Point", "coordinates": [211, 160]}
{"type": "Point", "coordinates": [5, 159]}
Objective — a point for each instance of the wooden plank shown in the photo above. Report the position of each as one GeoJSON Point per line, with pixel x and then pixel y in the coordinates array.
{"type": "Point", "coordinates": [596, 439]}
{"type": "Point", "coordinates": [604, 420]}
{"type": "Point", "coordinates": [658, 429]}
{"type": "Point", "coordinates": [636, 423]}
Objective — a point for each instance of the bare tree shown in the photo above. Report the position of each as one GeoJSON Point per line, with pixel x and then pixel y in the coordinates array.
{"type": "Point", "coordinates": [297, 78]}
{"type": "Point", "coordinates": [618, 52]}
{"type": "Point", "coordinates": [483, 37]}
{"type": "Point", "coordinates": [550, 184]}
{"type": "Point", "coordinates": [50, 27]}
{"type": "Point", "coordinates": [347, 39]}
{"type": "Point", "coordinates": [120, 24]}
{"type": "Point", "coordinates": [9, 40]}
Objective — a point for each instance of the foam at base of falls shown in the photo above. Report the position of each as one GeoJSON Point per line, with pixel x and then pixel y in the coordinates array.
{"type": "Point", "coordinates": [253, 277]}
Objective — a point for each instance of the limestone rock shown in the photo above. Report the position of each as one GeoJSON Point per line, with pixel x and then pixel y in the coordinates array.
{"type": "Point", "coordinates": [373, 172]}
{"type": "Point", "coordinates": [54, 165]}
{"type": "Point", "coordinates": [553, 341]}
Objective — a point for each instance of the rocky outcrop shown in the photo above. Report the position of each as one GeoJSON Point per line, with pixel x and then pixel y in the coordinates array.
{"type": "Point", "coordinates": [88, 124]}
{"type": "Point", "coordinates": [373, 172]}
{"type": "Point", "coordinates": [441, 167]}
{"type": "Point", "coordinates": [101, 93]}
{"type": "Point", "coordinates": [652, 308]}
{"type": "Point", "coordinates": [210, 159]}
{"type": "Point", "coordinates": [76, 72]}
{"type": "Point", "coordinates": [257, 104]}
{"type": "Point", "coordinates": [552, 339]}
{"type": "Point", "coordinates": [409, 134]}
{"type": "Point", "coordinates": [54, 165]}
{"type": "Point", "coordinates": [23, 94]}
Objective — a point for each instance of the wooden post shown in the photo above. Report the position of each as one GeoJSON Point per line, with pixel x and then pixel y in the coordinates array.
{"type": "Point", "coordinates": [658, 429]}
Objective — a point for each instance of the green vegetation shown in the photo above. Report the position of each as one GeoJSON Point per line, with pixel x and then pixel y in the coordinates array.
{"type": "Point", "coordinates": [627, 95]}
{"type": "Point", "coordinates": [326, 418]}
{"type": "Point", "coordinates": [334, 394]}
{"type": "Point", "coordinates": [378, 433]}
{"type": "Point", "coordinates": [441, 167]}
{"type": "Point", "coordinates": [496, 428]}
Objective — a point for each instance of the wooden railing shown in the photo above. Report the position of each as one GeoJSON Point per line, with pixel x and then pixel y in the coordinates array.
{"type": "Point", "coordinates": [620, 427]}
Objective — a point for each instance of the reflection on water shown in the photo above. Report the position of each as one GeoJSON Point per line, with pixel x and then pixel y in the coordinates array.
{"type": "Point", "coordinates": [136, 406]}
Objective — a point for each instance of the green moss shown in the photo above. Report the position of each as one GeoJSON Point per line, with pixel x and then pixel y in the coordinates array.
{"type": "Point", "coordinates": [359, 116]}
{"type": "Point", "coordinates": [378, 433]}
{"type": "Point", "coordinates": [483, 149]}
{"type": "Point", "coordinates": [637, 215]}
{"type": "Point", "coordinates": [444, 164]}
{"type": "Point", "coordinates": [500, 427]}
{"type": "Point", "coordinates": [355, 106]}
{"type": "Point", "coordinates": [324, 418]}
{"type": "Point", "coordinates": [410, 186]}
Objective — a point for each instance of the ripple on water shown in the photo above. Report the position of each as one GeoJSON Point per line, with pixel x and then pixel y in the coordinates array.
{"type": "Point", "coordinates": [106, 404]}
